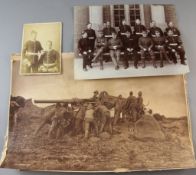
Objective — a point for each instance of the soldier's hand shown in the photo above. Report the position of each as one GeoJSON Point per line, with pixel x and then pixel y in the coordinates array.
{"type": "Point", "coordinates": [173, 50]}
{"type": "Point", "coordinates": [85, 53]}
{"type": "Point", "coordinates": [144, 49]}
{"type": "Point", "coordinates": [115, 47]}
{"type": "Point", "coordinates": [179, 47]}
{"type": "Point", "coordinates": [80, 54]}
{"type": "Point", "coordinates": [128, 49]}
{"type": "Point", "coordinates": [89, 51]}
{"type": "Point", "coordinates": [149, 49]}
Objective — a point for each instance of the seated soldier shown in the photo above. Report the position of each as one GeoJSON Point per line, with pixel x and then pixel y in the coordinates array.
{"type": "Point", "coordinates": [100, 45]}
{"type": "Point", "coordinates": [107, 31]}
{"type": "Point", "coordinates": [123, 29]}
{"type": "Point", "coordinates": [174, 45]}
{"type": "Point", "coordinates": [49, 60]}
{"type": "Point", "coordinates": [115, 45]}
{"type": "Point", "coordinates": [153, 29]}
{"type": "Point", "coordinates": [85, 51]}
{"type": "Point", "coordinates": [160, 46]}
{"type": "Point", "coordinates": [146, 43]}
{"type": "Point", "coordinates": [130, 47]}
{"type": "Point", "coordinates": [171, 26]}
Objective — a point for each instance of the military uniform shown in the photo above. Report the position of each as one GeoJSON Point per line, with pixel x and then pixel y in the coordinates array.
{"type": "Point", "coordinates": [122, 31]}
{"type": "Point", "coordinates": [118, 109]}
{"type": "Point", "coordinates": [30, 52]}
{"type": "Point", "coordinates": [130, 47]}
{"type": "Point", "coordinates": [146, 43]}
{"type": "Point", "coordinates": [49, 61]}
{"type": "Point", "coordinates": [174, 45]}
{"type": "Point", "coordinates": [84, 47]}
{"type": "Point", "coordinates": [92, 37]}
{"type": "Point", "coordinates": [160, 46]}
{"type": "Point", "coordinates": [101, 45]}
{"type": "Point", "coordinates": [139, 106]}
{"type": "Point", "coordinates": [175, 31]}
{"type": "Point", "coordinates": [152, 31]}
{"type": "Point", "coordinates": [79, 120]}
{"type": "Point", "coordinates": [107, 32]}
{"type": "Point", "coordinates": [115, 45]}
{"type": "Point", "coordinates": [130, 107]}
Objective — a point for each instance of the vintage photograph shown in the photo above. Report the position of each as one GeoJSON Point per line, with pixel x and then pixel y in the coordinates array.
{"type": "Point", "coordinates": [127, 40]}
{"type": "Point", "coordinates": [112, 126]}
{"type": "Point", "coordinates": [41, 48]}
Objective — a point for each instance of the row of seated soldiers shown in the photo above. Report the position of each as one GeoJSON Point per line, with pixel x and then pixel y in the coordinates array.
{"type": "Point", "coordinates": [131, 41]}
{"type": "Point", "coordinates": [98, 115]}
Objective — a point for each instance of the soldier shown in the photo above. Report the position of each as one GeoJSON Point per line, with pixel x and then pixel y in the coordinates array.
{"type": "Point", "coordinates": [123, 29]}
{"type": "Point", "coordinates": [140, 105]}
{"type": "Point", "coordinates": [139, 28]}
{"type": "Point", "coordinates": [49, 60]}
{"type": "Point", "coordinates": [171, 26]}
{"type": "Point", "coordinates": [160, 46]}
{"type": "Point", "coordinates": [115, 45]}
{"type": "Point", "coordinates": [130, 106]}
{"type": "Point", "coordinates": [108, 30]}
{"type": "Point", "coordinates": [32, 52]}
{"type": "Point", "coordinates": [174, 45]}
{"type": "Point", "coordinates": [130, 48]}
{"type": "Point", "coordinates": [89, 121]}
{"type": "Point", "coordinates": [154, 28]}
{"type": "Point", "coordinates": [85, 50]}
{"type": "Point", "coordinates": [146, 43]}
{"type": "Point", "coordinates": [118, 109]}
{"type": "Point", "coordinates": [101, 46]}
{"type": "Point", "coordinates": [91, 36]}
{"type": "Point", "coordinates": [95, 97]}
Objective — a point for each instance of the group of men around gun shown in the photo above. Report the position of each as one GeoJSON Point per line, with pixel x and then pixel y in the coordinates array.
{"type": "Point", "coordinates": [131, 41]}
{"type": "Point", "coordinates": [96, 116]}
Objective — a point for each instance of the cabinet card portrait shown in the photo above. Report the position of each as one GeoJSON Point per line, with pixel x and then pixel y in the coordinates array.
{"type": "Point", "coordinates": [127, 40]}
{"type": "Point", "coordinates": [41, 49]}
{"type": "Point", "coordinates": [114, 125]}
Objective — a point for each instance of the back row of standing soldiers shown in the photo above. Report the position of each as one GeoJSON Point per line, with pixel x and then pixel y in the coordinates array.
{"type": "Point", "coordinates": [131, 40]}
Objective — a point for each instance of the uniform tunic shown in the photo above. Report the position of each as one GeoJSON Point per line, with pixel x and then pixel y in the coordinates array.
{"type": "Point", "coordinates": [145, 42]}
{"type": "Point", "coordinates": [91, 36]}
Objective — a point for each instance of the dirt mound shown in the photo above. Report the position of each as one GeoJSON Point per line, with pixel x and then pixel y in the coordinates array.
{"type": "Point", "coordinates": [148, 127]}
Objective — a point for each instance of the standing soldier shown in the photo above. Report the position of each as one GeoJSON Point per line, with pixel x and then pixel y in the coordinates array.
{"type": "Point", "coordinates": [146, 43]}
{"type": "Point", "coordinates": [123, 29]}
{"type": "Point", "coordinates": [140, 105]}
{"type": "Point", "coordinates": [160, 46]}
{"type": "Point", "coordinates": [139, 28]}
{"type": "Point", "coordinates": [174, 45]}
{"type": "Point", "coordinates": [108, 30]}
{"type": "Point", "coordinates": [89, 120]}
{"type": "Point", "coordinates": [130, 48]}
{"type": "Point", "coordinates": [130, 106]}
{"type": "Point", "coordinates": [32, 52]}
{"type": "Point", "coordinates": [118, 109]}
{"type": "Point", "coordinates": [91, 36]}
{"type": "Point", "coordinates": [154, 28]}
{"type": "Point", "coordinates": [84, 48]}
{"type": "Point", "coordinates": [171, 26]}
{"type": "Point", "coordinates": [100, 45]}
{"type": "Point", "coordinates": [115, 45]}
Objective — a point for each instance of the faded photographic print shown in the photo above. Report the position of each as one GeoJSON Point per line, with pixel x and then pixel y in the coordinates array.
{"type": "Point", "coordinates": [112, 126]}
{"type": "Point", "coordinates": [127, 40]}
{"type": "Point", "coordinates": [41, 48]}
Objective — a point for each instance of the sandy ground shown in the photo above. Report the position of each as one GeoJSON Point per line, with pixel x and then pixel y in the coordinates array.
{"type": "Point", "coordinates": [26, 151]}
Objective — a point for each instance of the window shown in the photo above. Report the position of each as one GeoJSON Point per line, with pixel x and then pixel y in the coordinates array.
{"type": "Point", "coordinates": [119, 14]}
{"type": "Point", "coordinates": [134, 13]}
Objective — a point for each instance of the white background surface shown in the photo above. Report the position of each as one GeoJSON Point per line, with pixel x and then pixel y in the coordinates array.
{"type": "Point", "coordinates": [13, 13]}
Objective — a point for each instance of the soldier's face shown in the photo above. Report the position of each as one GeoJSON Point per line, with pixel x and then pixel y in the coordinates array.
{"type": "Point", "coordinates": [89, 26]}
{"type": "Point", "coordinates": [100, 35]}
{"type": "Point", "coordinates": [123, 22]}
{"type": "Point", "coordinates": [157, 33]}
{"type": "Point", "coordinates": [137, 21]}
{"type": "Point", "coordinates": [34, 36]}
{"type": "Point", "coordinates": [170, 33]}
{"type": "Point", "coordinates": [153, 24]}
{"type": "Point", "coordinates": [49, 45]}
{"type": "Point", "coordinates": [108, 24]}
{"type": "Point", "coordinates": [128, 34]}
{"type": "Point", "coordinates": [171, 24]}
{"type": "Point", "coordinates": [114, 35]}
{"type": "Point", "coordinates": [144, 34]}
{"type": "Point", "coordinates": [84, 35]}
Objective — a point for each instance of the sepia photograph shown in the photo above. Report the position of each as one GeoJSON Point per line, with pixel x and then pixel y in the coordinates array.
{"type": "Point", "coordinates": [127, 40]}
{"type": "Point", "coordinates": [129, 124]}
{"type": "Point", "coordinates": [41, 48]}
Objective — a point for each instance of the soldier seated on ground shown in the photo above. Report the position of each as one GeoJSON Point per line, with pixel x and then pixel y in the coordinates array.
{"type": "Point", "coordinates": [146, 43]}
{"type": "Point", "coordinates": [84, 47]}
{"type": "Point", "coordinates": [101, 46]}
{"type": "Point", "coordinates": [115, 46]}
{"type": "Point", "coordinates": [175, 47]}
{"type": "Point", "coordinates": [49, 61]}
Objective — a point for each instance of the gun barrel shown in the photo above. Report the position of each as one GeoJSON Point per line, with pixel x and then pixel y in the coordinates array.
{"type": "Point", "coordinates": [63, 101]}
